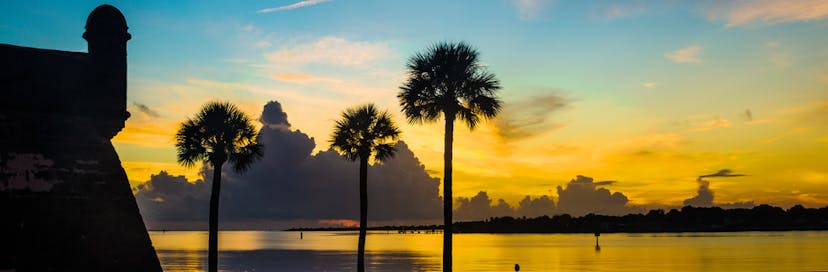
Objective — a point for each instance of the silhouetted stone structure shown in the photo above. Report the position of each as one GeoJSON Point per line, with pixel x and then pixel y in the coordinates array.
{"type": "Point", "coordinates": [65, 202]}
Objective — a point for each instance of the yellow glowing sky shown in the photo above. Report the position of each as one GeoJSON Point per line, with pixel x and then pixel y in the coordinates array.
{"type": "Point", "coordinates": [652, 95]}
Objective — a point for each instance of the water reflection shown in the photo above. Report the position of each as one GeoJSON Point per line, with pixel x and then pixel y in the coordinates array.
{"type": "Point", "coordinates": [295, 260]}
{"type": "Point", "coordinates": [336, 251]}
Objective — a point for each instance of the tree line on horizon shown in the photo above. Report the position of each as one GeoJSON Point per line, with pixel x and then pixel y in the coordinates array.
{"type": "Point", "coordinates": [447, 81]}
{"type": "Point", "coordinates": [687, 219]}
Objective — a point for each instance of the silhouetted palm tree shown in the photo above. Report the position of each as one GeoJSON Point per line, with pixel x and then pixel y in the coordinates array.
{"type": "Point", "coordinates": [364, 132]}
{"type": "Point", "coordinates": [219, 133]}
{"type": "Point", "coordinates": [448, 80]}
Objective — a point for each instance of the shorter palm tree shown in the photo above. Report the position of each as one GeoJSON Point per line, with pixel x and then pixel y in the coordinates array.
{"type": "Point", "coordinates": [219, 133]}
{"type": "Point", "coordinates": [364, 132]}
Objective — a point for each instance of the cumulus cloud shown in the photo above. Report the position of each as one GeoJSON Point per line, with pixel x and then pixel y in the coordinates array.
{"type": "Point", "coordinates": [534, 207]}
{"type": "Point", "coordinates": [293, 6]}
{"type": "Point", "coordinates": [173, 198]}
{"type": "Point", "coordinates": [531, 9]}
{"type": "Point", "coordinates": [291, 183]}
{"type": "Point", "coordinates": [580, 196]}
{"type": "Point", "coordinates": [704, 195]}
{"type": "Point", "coordinates": [273, 115]}
{"type": "Point", "coordinates": [738, 13]}
{"type": "Point", "coordinates": [480, 207]}
{"type": "Point", "coordinates": [145, 109]}
{"type": "Point", "coordinates": [527, 118]}
{"type": "Point", "coordinates": [329, 50]}
{"type": "Point", "coordinates": [688, 54]}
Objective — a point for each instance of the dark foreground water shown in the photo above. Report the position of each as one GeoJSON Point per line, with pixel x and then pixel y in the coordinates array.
{"type": "Point", "coordinates": [336, 251]}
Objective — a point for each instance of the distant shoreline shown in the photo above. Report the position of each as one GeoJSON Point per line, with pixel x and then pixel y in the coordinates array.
{"type": "Point", "coordinates": [439, 232]}
{"type": "Point", "coordinates": [686, 219]}
{"type": "Point", "coordinates": [426, 231]}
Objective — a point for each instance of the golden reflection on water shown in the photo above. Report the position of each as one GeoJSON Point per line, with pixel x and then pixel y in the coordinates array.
{"type": "Point", "coordinates": [335, 251]}
{"type": "Point", "coordinates": [197, 240]}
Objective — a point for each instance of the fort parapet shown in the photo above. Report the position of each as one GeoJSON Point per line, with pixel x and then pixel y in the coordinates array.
{"type": "Point", "coordinates": [65, 201]}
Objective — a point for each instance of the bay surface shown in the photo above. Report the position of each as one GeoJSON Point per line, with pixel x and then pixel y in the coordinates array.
{"type": "Point", "coordinates": [390, 251]}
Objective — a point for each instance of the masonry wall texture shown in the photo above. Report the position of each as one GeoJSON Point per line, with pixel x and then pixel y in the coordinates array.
{"type": "Point", "coordinates": [65, 202]}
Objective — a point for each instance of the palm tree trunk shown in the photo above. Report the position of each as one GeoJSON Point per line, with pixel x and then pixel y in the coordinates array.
{"type": "Point", "coordinates": [363, 212]}
{"type": "Point", "coordinates": [212, 253]}
{"type": "Point", "coordinates": [447, 196]}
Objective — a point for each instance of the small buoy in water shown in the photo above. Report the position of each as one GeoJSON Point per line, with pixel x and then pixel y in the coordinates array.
{"type": "Point", "coordinates": [596, 239]}
{"type": "Point", "coordinates": [517, 267]}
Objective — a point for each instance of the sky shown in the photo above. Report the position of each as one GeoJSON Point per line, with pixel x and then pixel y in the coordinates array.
{"type": "Point", "coordinates": [643, 97]}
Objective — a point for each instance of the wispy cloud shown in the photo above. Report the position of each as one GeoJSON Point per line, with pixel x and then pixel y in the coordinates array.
{"type": "Point", "coordinates": [702, 123]}
{"type": "Point", "coordinates": [787, 134]}
{"type": "Point", "coordinates": [650, 85]}
{"type": "Point", "coordinates": [717, 123]}
{"type": "Point", "coordinates": [145, 109]}
{"type": "Point", "coordinates": [812, 112]}
{"type": "Point", "coordinates": [331, 50]}
{"type": "Point", "coordinates": [531, 9]}
{"type": "Point", "coordinates": [298, 78]}
{"type": "Point", "coordinates": [616, 11]}
{"type": "Point", "coordinates": [721, 173]}
{"type": "Point", "coordinates": [778, 55]}
{"type": "Point", "coordinates": [294, 6]}
{"type": "Point", "coordinates": [685, 55]}
{"type": "Point", "coordinates": [523, 119]}
{"type": "Point", "coordinates": [738, 13]}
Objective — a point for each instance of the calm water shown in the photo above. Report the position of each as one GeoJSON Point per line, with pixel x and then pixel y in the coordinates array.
{"type": "Point", "coordinates": [336, 251]}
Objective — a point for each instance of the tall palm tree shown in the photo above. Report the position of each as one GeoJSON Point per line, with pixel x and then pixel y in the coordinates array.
{"type": "Point", "coordinates": [364, 132]}
{"type": "Point", "coordinates": [448, 80]}
{"type": "Point", "coordinates": [219, 133]}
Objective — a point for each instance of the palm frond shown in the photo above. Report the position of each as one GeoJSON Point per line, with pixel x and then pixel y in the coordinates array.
{"type": "Point", "coordinates": [243, 159]}
{"type": "Point", "coordinates": [189, 145]}
{"type": "Point", "coordinates": [448, 80]}
{"type": "Point", "coordinates": [384, 152]}
{"type": "Point", "coordinates": [219, 132]}
{"type": "Point", "coordinates": [361, 130]}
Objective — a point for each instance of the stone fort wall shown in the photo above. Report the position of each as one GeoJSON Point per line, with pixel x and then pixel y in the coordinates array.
{"type": "Point", "coordinates": [65, 201]}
